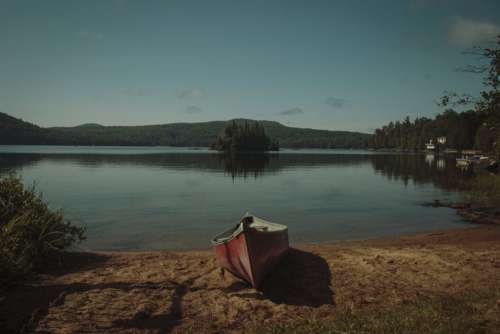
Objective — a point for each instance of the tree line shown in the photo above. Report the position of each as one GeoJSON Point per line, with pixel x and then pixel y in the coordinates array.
{"type": "Point", "coordinates": [461, 130]}
{"type": "Point", "coordinates": [476, 128]}
{"type": "Point", "coordinates": [14, 131]}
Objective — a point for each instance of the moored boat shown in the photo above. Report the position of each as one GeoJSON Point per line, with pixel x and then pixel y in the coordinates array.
{"type": "Point", "coordinates": [475, 160]}
{"type": "Point", "coordinates": [252, 248]}
{"type": "Point", "coordinates": [481, 160]}
{"type": "Point", "coordinates": [463, 162]}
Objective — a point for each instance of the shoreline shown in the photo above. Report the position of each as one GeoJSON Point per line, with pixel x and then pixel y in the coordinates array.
{"type": "Point", "coordinates": [299, 245]}
{"type": "Point", "coordinates": [165, 291]}
{"type": "Point", "coordinates": [472, 213]}
{"type": "Point", "coordinates": [462, 209]}
{"type": "Point", "coordinates": [392, 239]}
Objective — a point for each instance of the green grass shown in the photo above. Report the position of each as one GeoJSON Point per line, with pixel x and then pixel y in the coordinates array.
{"type": "Point", "coordinates": [485, 190]}
{"type": "Point", "coordinates": [468, 313]}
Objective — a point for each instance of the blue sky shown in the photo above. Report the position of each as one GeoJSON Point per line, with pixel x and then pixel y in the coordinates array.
{"type": "Point", "coordinates": [342, 65]}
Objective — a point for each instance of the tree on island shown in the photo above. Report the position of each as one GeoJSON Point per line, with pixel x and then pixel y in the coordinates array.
{"type": "Point", "coordinates": [241, 137]}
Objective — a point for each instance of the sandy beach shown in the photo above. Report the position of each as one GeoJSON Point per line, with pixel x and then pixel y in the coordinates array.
{"type": "Point", "coordinates": [163, 292]}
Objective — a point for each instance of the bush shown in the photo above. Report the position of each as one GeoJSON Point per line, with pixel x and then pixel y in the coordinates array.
{"type": "Point", "coordinates": [30, 233]}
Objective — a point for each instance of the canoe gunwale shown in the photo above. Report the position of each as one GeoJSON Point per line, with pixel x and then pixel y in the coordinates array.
{"type": "Point", "coordinates": [227, 235]}
{"type": "Point", "coordinates": [235, 231]}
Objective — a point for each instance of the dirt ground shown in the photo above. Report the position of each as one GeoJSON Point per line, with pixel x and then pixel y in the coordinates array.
{"type": "Point", "coordinates": [163, 292]}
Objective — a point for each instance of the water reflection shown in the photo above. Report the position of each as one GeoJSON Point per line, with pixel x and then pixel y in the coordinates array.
{"type": "Point", "coordinates": [235, 166]}
{"type": "Point", "coordinates": [245, 165]}
{"type": "Point", "coordinates": [441, 164]}
{"type": "Point", "coordinates": [179, 200]}
{"type": "Point", "coordinates": [417, 169]}
{"type": "Point", "coordinates": [441, 172]}
{"type": "Point", "coordinates": [429, 159]}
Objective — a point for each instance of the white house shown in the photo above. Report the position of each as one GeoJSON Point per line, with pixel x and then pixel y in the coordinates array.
{"type": "Point", "coordinates": [441, 140]}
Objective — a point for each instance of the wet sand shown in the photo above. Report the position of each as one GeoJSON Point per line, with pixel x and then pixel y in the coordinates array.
{"type": "Point", "coordinates": [163, 292]}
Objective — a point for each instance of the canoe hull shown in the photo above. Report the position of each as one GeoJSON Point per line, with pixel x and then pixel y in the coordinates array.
{"type": "Point", "coordinates": [252, 254]}
{"type": "Point", "coordinates": [233, 256]}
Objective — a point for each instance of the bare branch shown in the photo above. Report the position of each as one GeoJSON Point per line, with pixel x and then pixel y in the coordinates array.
{"type": "Point", "coordinates": [456, 100]}
{"type": "Point", "coordinates": [474, 51]}
{"type": "Point", "coordinates": [477, 69]}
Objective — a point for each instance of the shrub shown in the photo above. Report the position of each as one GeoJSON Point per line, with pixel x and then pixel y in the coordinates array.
{"type": "Point", "coordinates": [30, 232]}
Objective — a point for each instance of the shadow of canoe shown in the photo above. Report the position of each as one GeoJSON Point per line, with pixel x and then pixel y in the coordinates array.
{"type": "Point", "coordinates": [301, 278]}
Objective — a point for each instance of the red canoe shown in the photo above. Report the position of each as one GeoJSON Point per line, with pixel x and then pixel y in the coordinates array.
{"type": "Point", "coordinates": [251, 249]}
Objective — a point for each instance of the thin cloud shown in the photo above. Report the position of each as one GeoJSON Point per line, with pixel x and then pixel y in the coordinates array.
{"type": "Point", "coordinates": [193, 93]}
{"type": "Point", "coordinates": [466, 32]}
{"type": "Point", "coordinates": [335, 102]}
{"type": "Point", "coordinates": [135, 92]}
{"type": "Point", "coordinates": [291, 112]}
{"type": "Point", "coordinates": [193, 110]}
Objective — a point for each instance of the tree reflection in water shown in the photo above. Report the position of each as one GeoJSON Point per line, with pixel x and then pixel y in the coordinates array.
{"type": "Point", "coordinates": [407, 168]}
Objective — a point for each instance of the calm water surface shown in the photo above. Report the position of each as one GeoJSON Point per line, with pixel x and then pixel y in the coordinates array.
{"type": "Point", "coordinates": [133, 198]}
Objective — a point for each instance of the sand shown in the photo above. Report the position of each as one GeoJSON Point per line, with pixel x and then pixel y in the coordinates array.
{"type": "Point", "coordinates": [163, 292]}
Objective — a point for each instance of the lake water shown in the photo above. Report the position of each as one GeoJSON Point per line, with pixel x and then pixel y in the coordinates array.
{"type": "Point", "coordinates": [132, 198]}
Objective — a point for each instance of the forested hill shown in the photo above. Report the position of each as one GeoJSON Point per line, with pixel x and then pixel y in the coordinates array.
{"type": "Point", "coordinates": [16, 131]}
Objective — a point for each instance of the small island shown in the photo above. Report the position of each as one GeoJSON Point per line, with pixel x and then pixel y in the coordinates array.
{"type": "Point", "coordinates": [244, 137]}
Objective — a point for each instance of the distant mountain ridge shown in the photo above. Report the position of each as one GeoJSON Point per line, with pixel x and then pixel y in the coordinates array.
{"type": "Point", "coordinates": [16, 131]}
{"type": "Point", "coordinates": [89, 125]}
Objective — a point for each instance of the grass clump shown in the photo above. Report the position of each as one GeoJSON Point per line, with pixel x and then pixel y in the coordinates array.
{"type": "Point", "coordinates": [485, 190]}
{"type": "Point", "coordinates": [30, 232]}
{"type": "Point", "coordinates": [469, 313]}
